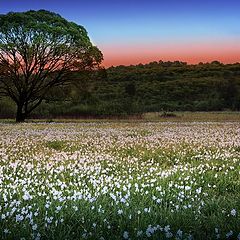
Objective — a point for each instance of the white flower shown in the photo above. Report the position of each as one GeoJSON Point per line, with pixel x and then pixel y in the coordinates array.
{"type": "Point", "coordinates": [149, 231]}
{"type": "Point", "coordinates": [199, 190]}
{"type": "Point", "coordinates": [113, 196]}
{"type": "Point", "coordinates": [139, 233]}
{"type": "Point", "coordinates": [229, 234]}
{"type": "Point", "coordinates": [148, 234]}
{"type": "Point", "coordinates": [49, 220]}
{"type": "Point", "coordinates": [179, 233]}
{"type": "Point", "coordinates": [147, 210]}
{"type": "Point", "coordinates": [58, 208]}
{"type": "Point", "coordinates": [26, 196]}
{"type": "Point", "coordinates": [19, 218]}
{"type": "Point", "coordinates": [167, 228]}
{"type": "Point", "coordinates": [34, 227]}
{"type": "Point", "coordinates": [125, 235]}
{"type": "Point", "coordinates": [233, 212]}
{"type": "Point", "coordinates": [120, 211]}
{"type": "Point", "coordinates": [75, 208]}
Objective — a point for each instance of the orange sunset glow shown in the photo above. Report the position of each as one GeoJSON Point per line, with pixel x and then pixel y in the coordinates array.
{"type": "Point", "coordinates": [192, 53]}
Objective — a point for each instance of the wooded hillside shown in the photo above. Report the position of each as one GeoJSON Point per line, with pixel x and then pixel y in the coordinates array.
{"type": "Point", "coordinates": [157, 86]}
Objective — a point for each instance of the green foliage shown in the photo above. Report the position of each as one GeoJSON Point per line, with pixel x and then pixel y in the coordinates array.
{"type": "Point", "coordinates": [101, 179]}
{"type": "Point", "coordinates": [176, 86]}
{"type": "Point", "coordinates": [162, 86]}
{"type": "Point", "coordinates": [38, 50]}
{"type": "Point", "coordinates": [7, 108]}
{"type": "Point", "coordinates": [154, 87]}
{"type": "Point", "coordinates": [56, 145]}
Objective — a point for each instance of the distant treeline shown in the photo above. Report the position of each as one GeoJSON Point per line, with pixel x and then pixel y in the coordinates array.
{"type": "Point", "coordinates": [153, 87]}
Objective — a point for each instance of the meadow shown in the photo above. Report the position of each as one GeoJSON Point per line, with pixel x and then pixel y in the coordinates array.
{"type": "Point", "coordinates": [120, 180]}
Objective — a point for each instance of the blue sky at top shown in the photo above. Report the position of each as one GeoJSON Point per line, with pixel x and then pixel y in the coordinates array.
{"type": "Point", "coordinates": [129, 20]}
{"type": "Point", "coordinates": [145, 22]}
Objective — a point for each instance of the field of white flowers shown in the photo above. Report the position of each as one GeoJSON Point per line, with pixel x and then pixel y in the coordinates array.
{"type": "Point", "coordinates": [109, 180]}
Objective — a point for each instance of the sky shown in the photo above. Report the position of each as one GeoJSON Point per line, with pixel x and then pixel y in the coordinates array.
{"type": "Point", "coordinates": [132, 32]}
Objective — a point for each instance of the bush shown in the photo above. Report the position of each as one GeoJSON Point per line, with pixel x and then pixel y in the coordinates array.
{"type": "Point", "coordinates": [7, 108]}
{"type": "Point", "coordinates": [168, 114]}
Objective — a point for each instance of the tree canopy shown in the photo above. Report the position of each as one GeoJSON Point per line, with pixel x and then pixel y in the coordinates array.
{"type": "Point", "coordinates": [38, 50]}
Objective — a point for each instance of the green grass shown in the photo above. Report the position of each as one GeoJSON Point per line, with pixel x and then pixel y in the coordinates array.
{"type": "Point", "coordinates": [221, 116]}
{"type": "Point", "coordinates": [116, 180]}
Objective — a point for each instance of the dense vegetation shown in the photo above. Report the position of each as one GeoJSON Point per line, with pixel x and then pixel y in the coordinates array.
{"type": "Point", "coordinates": [38, 51]}
{"type": "Point", "coordinates": [120, 180]}
{"type": "Point", "coordinates": [157, 86]}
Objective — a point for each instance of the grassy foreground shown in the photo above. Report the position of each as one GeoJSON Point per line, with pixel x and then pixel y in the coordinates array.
{"type": "Point", "coordinates": [120, 180]}
{"type": "Point", "coordinates": [221, 116]}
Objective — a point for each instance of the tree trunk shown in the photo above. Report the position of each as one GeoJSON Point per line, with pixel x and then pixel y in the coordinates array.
{"type": "Point", "coordinates": [20, 117]}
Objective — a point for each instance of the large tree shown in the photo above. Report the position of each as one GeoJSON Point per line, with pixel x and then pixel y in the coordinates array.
{"type": "Point", "coordinates": [39, 50]}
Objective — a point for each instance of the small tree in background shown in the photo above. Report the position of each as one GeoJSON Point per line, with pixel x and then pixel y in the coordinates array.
{"type": "Point", "coordinates": [39, 50]}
